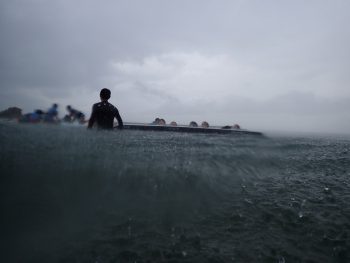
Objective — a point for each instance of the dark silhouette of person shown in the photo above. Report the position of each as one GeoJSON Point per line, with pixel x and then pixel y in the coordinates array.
{"type": "Point", "coordinates": [34, 117]}
{"type": "Point", "coordinates": [103, 113]}
{"type": "Point", "coordinates": [51, 115]}
{"type": "Point", "coordinates": [74, 114]}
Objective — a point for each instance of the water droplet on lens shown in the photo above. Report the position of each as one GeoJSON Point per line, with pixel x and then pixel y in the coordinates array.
{"type": "Point", "coordinates": [248, 201]}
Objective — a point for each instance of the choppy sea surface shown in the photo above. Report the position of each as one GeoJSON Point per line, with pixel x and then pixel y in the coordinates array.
{"type": "Point", "coordinates": [72, 195]}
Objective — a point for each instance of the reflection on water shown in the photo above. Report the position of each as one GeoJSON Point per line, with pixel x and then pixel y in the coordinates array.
{"type": "Point", "coordinates": [71, 195]}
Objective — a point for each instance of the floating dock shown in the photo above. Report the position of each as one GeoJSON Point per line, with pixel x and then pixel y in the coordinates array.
{"type": "Point", "coordinates": [179, 128]}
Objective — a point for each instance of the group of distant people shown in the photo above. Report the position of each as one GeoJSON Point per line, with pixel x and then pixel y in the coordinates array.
{"type": "Point", "coordinates": [102, 115]}
{"type": "Point", "coordinates": [204, 124]}
{"type": "Point", "coordinates": [51, 115]}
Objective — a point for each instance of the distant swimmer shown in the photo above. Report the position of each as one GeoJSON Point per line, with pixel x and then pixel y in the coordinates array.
{"type": "Point", "coordinates": [193, 124]}
{"type": "Point", "coordinates": [51, 115]}
{"type": "Point", "coordinates": [205, 124]}
{"type": "Point", "coordinates": [156, 121]}
{"type": "Point", "coordinates": [103, 113]}
{"type": "Point", "coordinates": [235, 126]}
{"type": "Point", "coordinates": [161, 122]}
{"type": "Point", "coordinates": [33, 117]}
{"type": "Point", "coordinates": [173, 123]}
{"type": "Point", "coordinates": [74, 115]}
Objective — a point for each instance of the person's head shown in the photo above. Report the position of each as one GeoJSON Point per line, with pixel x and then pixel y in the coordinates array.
{"type": "Point", "coordinates": [162, 122]}
{"type": "Point", "coordinates": [156, 121]}
{"type": "Point", "coordinates": [236, 126]}
{"type": "Point", "coordinates": [55, 105]}
{"type": "Point", "coordinates": [105, 94]}
{"type": "Point", "coordinates": [69, 107]}
{"type": "Point", "coordinates": [205, 124]}
{"type": "Point", "coordinates": [193, 124]}
{"type": "Point", "coordinates": [173, 123]}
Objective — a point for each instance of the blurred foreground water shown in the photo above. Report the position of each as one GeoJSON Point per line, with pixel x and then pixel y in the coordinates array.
{"type": "Point", "coordinates": [72, 195]}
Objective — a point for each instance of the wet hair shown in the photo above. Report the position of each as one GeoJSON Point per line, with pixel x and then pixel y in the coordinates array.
{"type": "Point", "coordinates": [68, 107]}
{"type": "Point", "coordinates": [105, 94]}
{"type": "Point", "coordinates": [55, 105]}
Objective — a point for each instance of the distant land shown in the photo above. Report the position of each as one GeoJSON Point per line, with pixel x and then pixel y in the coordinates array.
{"type": "Point", "coordinates": [11, 113]}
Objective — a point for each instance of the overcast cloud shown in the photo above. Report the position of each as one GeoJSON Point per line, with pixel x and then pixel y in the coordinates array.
{"type": "Point", "coordinates": [270, 65]}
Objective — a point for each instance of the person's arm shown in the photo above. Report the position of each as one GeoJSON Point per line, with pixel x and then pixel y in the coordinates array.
{"type": "Point", "coordinates": [92, 118]}
{"type": "Point", "coordinates": [120, 121]}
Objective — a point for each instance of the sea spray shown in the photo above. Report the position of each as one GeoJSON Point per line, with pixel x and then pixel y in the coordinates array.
{"type": "Point", "coordinates": [72, 195]}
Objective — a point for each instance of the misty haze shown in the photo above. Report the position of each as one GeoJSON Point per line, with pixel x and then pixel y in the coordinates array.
{"type": "Point", "coordinates": [174, 131]}
{"type": "Point", "coordinates": [270, 66]}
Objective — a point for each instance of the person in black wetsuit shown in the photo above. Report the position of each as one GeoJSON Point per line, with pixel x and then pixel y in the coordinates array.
{"type": "Point", "coordinates": [103, 113]}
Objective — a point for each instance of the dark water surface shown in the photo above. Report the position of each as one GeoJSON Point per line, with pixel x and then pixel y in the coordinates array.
{"type": "Point", "coordinates": [71, 195]}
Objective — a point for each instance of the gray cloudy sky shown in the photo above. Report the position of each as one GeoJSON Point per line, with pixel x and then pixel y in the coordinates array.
{"type": "Point", "coordinates": [270, 65]}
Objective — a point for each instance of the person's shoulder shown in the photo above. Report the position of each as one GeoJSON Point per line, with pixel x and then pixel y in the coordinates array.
{"type": "Point", "coordinates": [96, 106]}
{"type": "Point", "coordinates": [112, 106]}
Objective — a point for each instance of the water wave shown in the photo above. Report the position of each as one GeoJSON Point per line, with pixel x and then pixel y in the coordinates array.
{"type": "Point", "coordinates": [72, 195]}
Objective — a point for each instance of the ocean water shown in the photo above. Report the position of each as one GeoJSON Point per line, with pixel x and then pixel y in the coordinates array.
{"type": "Point", "coordinates": [72, 195]}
